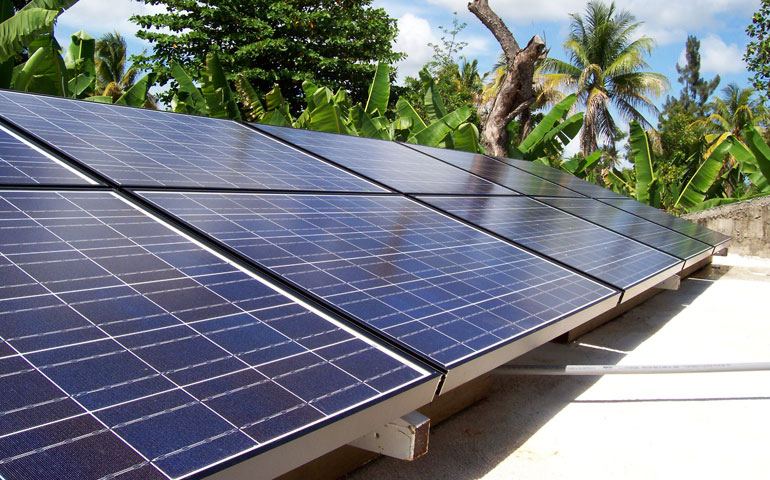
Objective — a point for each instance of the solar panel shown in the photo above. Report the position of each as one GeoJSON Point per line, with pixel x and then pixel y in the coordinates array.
{"type": "Point", "coordinates": [610, 257]}
{"type": "Point", "coordinates": [388, 163]}
{"type": "Point", "coordinates": [498, 172]}
{"type": "Point", "coordinates": [443, 289]}
{"type": "Point", "coordinates": [632, 226]}
{"type": "Point", "coordinates": [562, 178]}
{"type": "Point", "coordinates": [127, 350]}
{"type": "Point", "coordinates": [141, 147]}
{"type": "Point", "coordinates": [669, 221]}
{"type": "Point", "coordinates": [22, 163]}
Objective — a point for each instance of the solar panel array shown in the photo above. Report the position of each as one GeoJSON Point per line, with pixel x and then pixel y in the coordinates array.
{"type": "Point", "coordinates": [612, 258]}
{"type": "Point", "coordinates": [438, 286]}
{"type": "Point", "coordinates": [187, 293]}
{"type": "Point", "coordinates": [117, 327]}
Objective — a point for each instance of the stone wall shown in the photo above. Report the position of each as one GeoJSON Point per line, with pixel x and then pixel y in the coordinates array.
{"type": "Point", "coordinates": [748, 223]}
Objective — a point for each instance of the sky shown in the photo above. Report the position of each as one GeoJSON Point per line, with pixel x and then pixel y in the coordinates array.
{"type": "Point", "coordinates": [719, 24]}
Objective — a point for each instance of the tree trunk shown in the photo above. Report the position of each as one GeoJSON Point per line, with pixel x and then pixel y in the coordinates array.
{"type": "Point", "coordinates": [516, 93]}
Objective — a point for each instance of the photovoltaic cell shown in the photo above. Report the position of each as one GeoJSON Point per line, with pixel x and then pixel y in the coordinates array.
{"type": "Point", "coordinates": [562, 178]}
{"type": "Point", "coordinates": [134, 146]}
{"type": "Point", "coordinates": [498, 172]}
{"type": "Point", "coordinates": [669, 221]}
{"type": "Point", "coordinates": [632, 226]}
{"type": "Point", "coordinates": [389, 163]}
{"type": "Point", "coordinates": [440, 287]}
{"type": "Point", "coordinates": [23, 164]}
{"type": "Point", "coordinates": [606, 255]}
{"type": "Point", "coordinates": [129, 351]}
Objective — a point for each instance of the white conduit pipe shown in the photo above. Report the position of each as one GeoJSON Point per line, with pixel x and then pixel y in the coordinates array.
{"type": "Point", "coordinates": [628, 369]}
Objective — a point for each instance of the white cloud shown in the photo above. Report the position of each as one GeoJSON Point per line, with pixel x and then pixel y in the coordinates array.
{"type": "Point", "coordinates": [99, 16]}
{"type": "Point", "coordinates": [665, 20]}
{"type": "Point", "coordinates": [414, 34]}
{"type": "Point", "coordinates": [717, 56]}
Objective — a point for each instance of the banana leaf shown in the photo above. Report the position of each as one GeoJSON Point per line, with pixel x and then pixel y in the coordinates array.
{"type": "Point", "coordinates": [379, 91]}
{"type": "Point", "coordinates": [437, 131]}
{"type": "Point", "coordinates": [697, 187]}
{"type": "Point", "coordinates": [557, 113]}
{"type": "Point", "coordinates": [363, 122]}
{"type": "Point", "coordinates": [81, 68]}
{"type": "Point", "coordinates": [252, 105]}
{"type": "Point", "coordinates": [434, 105]}
{"type": "Point", "coordinates": [99, 99]}
{"type": "Point", "coordinates": [407, 113]}
{"type": "Point", "coordinates": [136, 96]}
{"type": "Point", "coordinates": [220, 99]}
{"type": "Point", "coordinates": [646, 187]}
{"type": "Point", "coordinates": [327, 117]}
{"type": "Point", "coordinates": [188, 94]}
{"type": "Point", "coordinates": [466, 138]}
{"type": "Point", "coordinates": [760, 150]}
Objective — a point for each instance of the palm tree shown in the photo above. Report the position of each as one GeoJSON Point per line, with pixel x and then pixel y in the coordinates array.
{"type": "Point", "coordinates": [735, 110]}
{"type": "Point", "coordinates": [113, 76]}
{"type": "Point", "coordinates": [607, 68]}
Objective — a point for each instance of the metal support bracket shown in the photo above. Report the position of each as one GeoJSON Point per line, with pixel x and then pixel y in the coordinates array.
{"type": "Point", "coordinates": [721, 253]}
{"type": "Point", "coordinates": [405, 438]}
{"type": "Point", "coordinates": [671, 283]}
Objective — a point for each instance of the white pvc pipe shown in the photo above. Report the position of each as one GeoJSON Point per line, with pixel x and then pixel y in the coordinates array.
{"type": "Point", "coordinates": [628, 369]}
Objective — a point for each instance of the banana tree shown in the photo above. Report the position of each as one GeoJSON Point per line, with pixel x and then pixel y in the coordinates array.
{"type": "Point", "coordinates": [18, 30]}
{"type": "Point", "coordinates": [214, 98]}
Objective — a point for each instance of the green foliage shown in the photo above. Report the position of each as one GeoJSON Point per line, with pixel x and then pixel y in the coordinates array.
{"type": "Point", "coordinates": [757, 55]}
{"type": "Point", "coordinates": [642, 157]}
{"type": "Point", "coordinates": [330, 42]}
{"type": "Point", "coordinates": [695, 90]}
{"type": "Point", "coordinates": [17, 31]}
{"type": "Point", "coordinates": [81, 69]}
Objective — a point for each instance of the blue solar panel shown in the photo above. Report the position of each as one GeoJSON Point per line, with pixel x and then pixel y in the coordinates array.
{"type": "Point", "coordinates": [632, 226]}
{"type": "Point", "coordinates": [129, 351]}
{"type": "Point", "coordinates": [498, 172]}
{"type": "Point", "coordinates": [669, 221]}
{"type": "Point", "coordinates": [23, 164]}
{"type": "Point", "coordinates": [562, 178]}
{"type": "Point", "coordinates": [389, 163]}
{"type": "Point", "coordinates": [134, 146]}
{"type": "Point", "coordinates": [606, 255]}
{"type": "Point", "coordinates": [442, 288]}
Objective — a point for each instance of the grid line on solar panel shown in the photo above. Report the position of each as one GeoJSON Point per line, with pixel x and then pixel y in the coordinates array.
{"type": "Point", "coordinates": [134, 146]}
{"type": "Point", "coordinates": [438, 286]}
{"type": "Point", "coordinates": [388, 163]}
{"type": "Point", "coordinates": [498, 172]}
{"type": "Point", "coordinates": [182, 355]}
{"type": "Point", "coordinates": [559, 177]}
{"type": "Point", "coordinates": [667, 220]}
{"type": "Point", "coordinates": [632, 226]}
{"type": "Point", "coordinates": [588, 248]}
{"type": "Point", "coordinates": [22, 163]}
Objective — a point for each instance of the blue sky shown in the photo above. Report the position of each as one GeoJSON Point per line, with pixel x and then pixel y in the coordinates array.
{"type": "Point", "coordinates": [719, 24]}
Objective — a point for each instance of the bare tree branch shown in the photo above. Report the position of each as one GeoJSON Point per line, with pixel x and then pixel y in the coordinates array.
{"type": "Point", "coordinates": [516, 92]}
{"type": "Point", "coordinates": [494, 23]}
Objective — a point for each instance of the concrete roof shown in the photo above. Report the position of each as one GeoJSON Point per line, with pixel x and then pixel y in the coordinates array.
{"type": "Point", "coordinates": [704, 425]}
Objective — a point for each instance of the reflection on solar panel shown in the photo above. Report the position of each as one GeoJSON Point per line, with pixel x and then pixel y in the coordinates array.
{"type": "Point", "coordinates": [562, 178]}
{"type": "Point", "coordinates": [498, 172]}
{"type": "Point", "coordinates": [135, 146]}
{"type": "Point", "coordinates": [669, 221]}
{"type": "Point", "coordinates": [129, 351]}
{"type": "Point", "coordinates": [610, 257]}
{"type": "Point", "coordinates": [21, 163]}
{"type": "Point", "coordinates": [632, 226]}
{"type": "Point", "coordinates": [442, 288]}
{"type": "Point", "coordinates": [389, 163]}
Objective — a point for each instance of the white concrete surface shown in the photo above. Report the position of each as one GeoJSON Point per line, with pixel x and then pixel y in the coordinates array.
{"type": "Point", "coordinates": [704, 426]}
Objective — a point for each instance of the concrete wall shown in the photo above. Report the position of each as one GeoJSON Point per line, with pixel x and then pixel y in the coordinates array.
{"type": "Point", "coordinates": [748, 223]}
